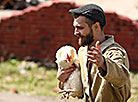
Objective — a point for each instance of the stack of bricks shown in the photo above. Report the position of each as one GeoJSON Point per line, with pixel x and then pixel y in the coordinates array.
{"type": "Point", "coordinates": [39, 31]}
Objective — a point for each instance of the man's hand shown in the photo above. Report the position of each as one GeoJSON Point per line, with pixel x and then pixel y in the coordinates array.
{"type": "Point", "coordinates": [63, 74]}
{"type": "Point", "coordinates": [95, 56]}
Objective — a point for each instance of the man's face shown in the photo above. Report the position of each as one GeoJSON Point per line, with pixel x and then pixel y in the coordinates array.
{"type": "Point", "coordinates": [83, 31]}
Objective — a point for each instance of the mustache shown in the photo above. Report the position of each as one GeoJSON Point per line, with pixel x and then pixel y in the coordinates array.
{"type": "Point", "coordinates": [79, 35]}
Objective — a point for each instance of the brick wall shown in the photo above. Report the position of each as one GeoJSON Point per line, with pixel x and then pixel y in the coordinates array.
{"type": "Point", "coordinates": [39, 31]}
{"type": "Point", "coordinates": [126, 34]}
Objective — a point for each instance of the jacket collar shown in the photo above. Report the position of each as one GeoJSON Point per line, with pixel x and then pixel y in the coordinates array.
{"type": "Point", "coordinates": [109, 41]}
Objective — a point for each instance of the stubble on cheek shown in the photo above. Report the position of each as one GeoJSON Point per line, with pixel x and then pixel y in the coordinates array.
{"type": "Point", "coordinates": [85, 40]}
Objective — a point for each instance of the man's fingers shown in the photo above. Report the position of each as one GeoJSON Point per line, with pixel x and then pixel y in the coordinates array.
{"type": "Point", "coordinates": [61, 91]}
{"type": "Point", "coordinates": [93, 61]}
{"type": "Point", "coordinates": [63, 76]}
{"type": "Point", "coordinates": [96, 48]}
{"type": "Point", "coordinates": [95, 56]}
{"type": "Point", "coordinates": [64, 73]}
{"type": "Point", "coordinates": [97, 45]}
{"type": "Point", "coordinates": [68, 70]}
{"type": "Point", "coordinates": [92, 54]}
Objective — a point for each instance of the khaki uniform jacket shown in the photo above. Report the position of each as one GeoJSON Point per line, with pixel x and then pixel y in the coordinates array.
{"type": "Point", "coordinates": [110, 86]}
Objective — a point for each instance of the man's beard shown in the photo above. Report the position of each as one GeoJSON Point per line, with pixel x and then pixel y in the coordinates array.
{"type": "Point", "coordinates": [86, 40]}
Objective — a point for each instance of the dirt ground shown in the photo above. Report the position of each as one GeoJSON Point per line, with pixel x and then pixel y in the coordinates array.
{"type": "Point", "coordinates": [8, 97]}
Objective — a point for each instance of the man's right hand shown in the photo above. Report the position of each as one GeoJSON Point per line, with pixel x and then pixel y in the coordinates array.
{"type": "Point", "coordinates": [63, 74]}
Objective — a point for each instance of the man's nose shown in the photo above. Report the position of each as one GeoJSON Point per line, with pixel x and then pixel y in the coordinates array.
{"type": "Point", "coordinates": [76, 32]}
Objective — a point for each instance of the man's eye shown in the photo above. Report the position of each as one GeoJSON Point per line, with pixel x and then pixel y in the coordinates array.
{"type": "Point", "coordinates": [80, 27]}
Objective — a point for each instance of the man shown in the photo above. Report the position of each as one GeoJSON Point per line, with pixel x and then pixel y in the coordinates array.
{"type": "Point", "coordinates": [104, 63]}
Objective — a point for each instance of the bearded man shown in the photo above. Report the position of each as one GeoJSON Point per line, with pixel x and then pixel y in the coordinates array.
{"type": "Point", "coordinates": [104, 64]}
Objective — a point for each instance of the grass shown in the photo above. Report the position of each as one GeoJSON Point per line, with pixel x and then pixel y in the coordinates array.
{"type": "Point", "coordinates": [134, 87]}
{"type": "Point", "coordinates": [29, 79]}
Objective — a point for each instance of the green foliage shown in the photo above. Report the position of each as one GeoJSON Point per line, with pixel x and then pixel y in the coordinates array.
{"type": "Point", "coordinates": [134, 87]}
{"type": "Point", "coordinates": [27, 78]}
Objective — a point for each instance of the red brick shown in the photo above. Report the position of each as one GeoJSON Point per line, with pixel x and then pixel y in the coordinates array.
{"type": "Point", "coordinates": [40, 31]}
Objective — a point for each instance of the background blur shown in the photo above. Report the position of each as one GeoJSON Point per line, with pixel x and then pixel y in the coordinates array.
{"type": "Point", "coordinates": [31, 31]}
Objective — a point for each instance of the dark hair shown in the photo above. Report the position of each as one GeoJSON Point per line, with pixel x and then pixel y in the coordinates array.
{"type": "Point", "coordinates": [91, 11]}
{"type": "Point", "coordinates": [88, 20]}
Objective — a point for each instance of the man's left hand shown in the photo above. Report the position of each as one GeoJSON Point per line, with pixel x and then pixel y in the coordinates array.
{"type": "Point", "coordinates": [95, 56]}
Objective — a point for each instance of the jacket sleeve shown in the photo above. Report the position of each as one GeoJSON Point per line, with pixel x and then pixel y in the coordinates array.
{"type": "Point", "coordinates": [117, 65]}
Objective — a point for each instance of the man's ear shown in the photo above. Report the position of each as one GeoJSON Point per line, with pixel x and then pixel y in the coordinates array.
{"type": "Point", "coordinates": [96, 27]}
